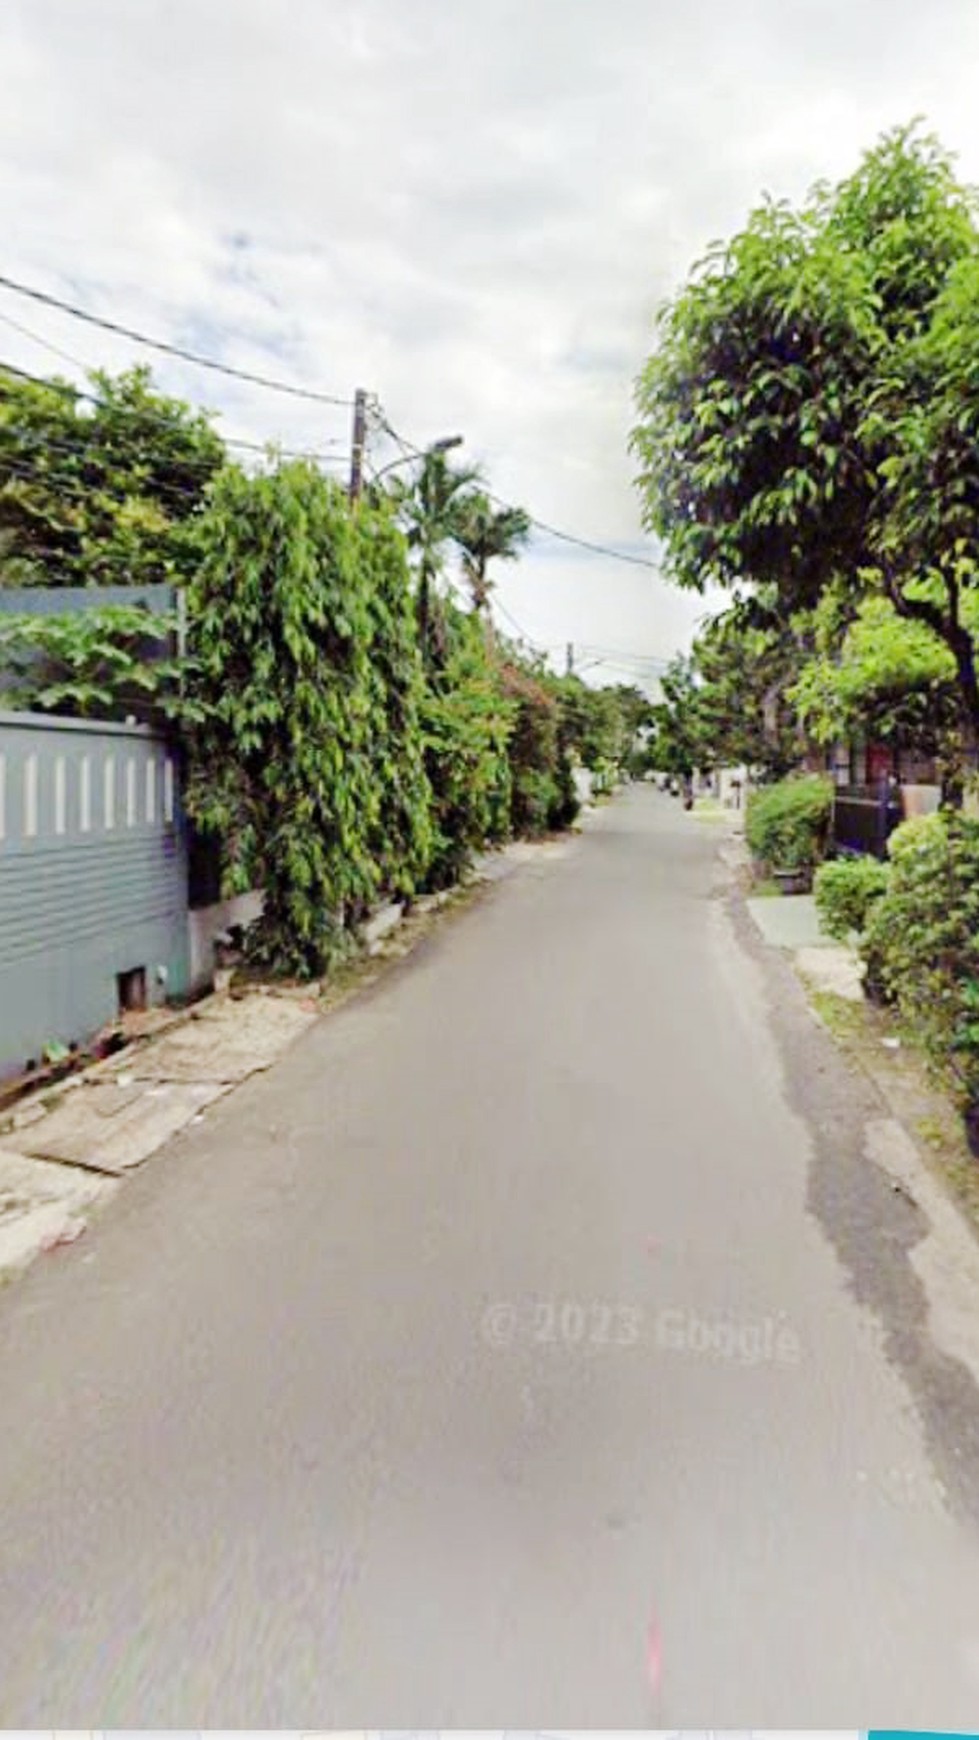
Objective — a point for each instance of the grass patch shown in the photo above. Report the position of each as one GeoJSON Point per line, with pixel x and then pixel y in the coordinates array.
{"type": "Point", "coordinates": [845, 1019]}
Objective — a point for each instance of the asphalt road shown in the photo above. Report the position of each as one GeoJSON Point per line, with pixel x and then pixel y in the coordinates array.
{"type": "Point", "coordinates": [508, 1356]}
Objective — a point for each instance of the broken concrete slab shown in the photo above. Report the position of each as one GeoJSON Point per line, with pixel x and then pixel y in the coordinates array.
{"type": "Point", "coordinates": [113, 1128]}
{"type": "Point", "coordinates": [41, 1205]}
{"type": "Point", "coordinates": [229, 1040]}
{"type": "Point", "coordinates": [122, 1110]}
{"type": "Point", "coordinates": [833, 968]}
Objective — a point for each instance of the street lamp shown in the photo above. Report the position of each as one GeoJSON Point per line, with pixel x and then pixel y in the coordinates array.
{"type": "Point", "coordinates": [443, 445]}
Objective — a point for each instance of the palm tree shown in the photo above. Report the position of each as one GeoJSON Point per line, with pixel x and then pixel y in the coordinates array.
{"type": "Point", "coordinates": [431, 510]}
{"type": "Point", "coordinates": [485, 534]}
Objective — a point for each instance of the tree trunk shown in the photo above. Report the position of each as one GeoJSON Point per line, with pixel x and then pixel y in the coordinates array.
{"type": "Point", "coordinates": [963, 651]}
{"type": "Point", "coordinates": [960, 644]}
{"type": "Point", "coordinates": [424, 587]}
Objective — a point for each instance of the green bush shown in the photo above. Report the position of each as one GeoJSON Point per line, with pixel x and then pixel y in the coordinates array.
{"type": "Point", "coordinates": [845, 891]}
{"type": "Point", "coordinates": [543, 794]}
{"type": "Point", "coordinates": [603, 776]}
{"type": "Point", "coordinates": [787, 824]}
{"type": "Point", "coordinates": [467, 726]}
{"type": "Point", "coordinates": [922, 938]}
{"type": "Point", "coordinates": [307, 758]}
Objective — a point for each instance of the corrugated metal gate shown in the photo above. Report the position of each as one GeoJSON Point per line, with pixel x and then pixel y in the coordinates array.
{"type": "Point", "coordinates": [93, 878]}
{"type": "Point", "coordinates": [864, 817]}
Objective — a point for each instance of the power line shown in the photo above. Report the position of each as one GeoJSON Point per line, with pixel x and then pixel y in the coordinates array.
{"type": "Point", "coordinates": [511, 619]}
{"type": "Point", "coordinates": [65, 388]}
{"type": "Point", "coordinates": [68, 391]}
{"type": "Point", "coordinates": [290, 452]}
{"type": "Point", "coordinates": [45, 343]}
{"type": "Point", "coordinates": [540, 525]}
{"type": "Point", "coordinates": [202, 362]}
{"type": "Point", "coordinates": [581, 543]}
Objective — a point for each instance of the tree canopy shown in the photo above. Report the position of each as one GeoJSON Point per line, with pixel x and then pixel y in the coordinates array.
{"type": "Point", "coordinates": [102, 487]}
{"type": "Point", "coordinates": [810, 414]}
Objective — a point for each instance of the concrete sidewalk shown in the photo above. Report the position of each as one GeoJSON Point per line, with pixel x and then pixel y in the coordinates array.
{"type": "Point", "coordinates": [789, 921]}
{"type": "Point", "coordinates": [64, 1150]}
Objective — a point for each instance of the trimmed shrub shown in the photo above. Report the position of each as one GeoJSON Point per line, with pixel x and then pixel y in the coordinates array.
{"type": "Point", "coordinates": [845, 891]}
{"type": "Point", "coordinates": [787, 824]}
{"type": "Point", "coordinates": [922, 939]}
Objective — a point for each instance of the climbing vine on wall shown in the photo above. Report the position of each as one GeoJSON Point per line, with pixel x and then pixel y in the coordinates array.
{"type": "Point", "coordinates": [308, 764]}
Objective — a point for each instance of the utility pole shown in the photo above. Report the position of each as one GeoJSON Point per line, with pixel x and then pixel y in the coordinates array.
{"type": "Point", "coordinates": [569, 667]}
{"type": "Point", "coordinates": [357, 444]}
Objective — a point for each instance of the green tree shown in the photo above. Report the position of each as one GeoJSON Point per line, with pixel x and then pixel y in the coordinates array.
{"type": "Point", "coordinates": [99, 488]}
{"type": "Point", "coordinates": [812, 381]}
{"type": "Point", "coordinates": [925, 423]}
{"type": "Point", "coordinates": [485, 534]}
{"type": "Point", "coordinates": [745, 658]}
{"type": "Point", "coordinates": [679, 745]}
{"type": "Point", "coordinates": [430, 507]}
{"type": "Point", "coordinates": [602, 725]}
{"type": "Point", "coordinates": [879, 675]}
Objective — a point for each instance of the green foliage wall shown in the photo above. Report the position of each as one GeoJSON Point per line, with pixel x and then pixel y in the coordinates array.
{"type": "Point", "coordinates": [309, 761]}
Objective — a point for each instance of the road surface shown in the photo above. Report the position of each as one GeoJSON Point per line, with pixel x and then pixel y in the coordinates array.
{"type": "Point", "coordinates": [509, 1356]}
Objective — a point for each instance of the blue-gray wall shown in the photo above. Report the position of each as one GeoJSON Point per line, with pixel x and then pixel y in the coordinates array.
{"type": "Point", "coordinates": [68, 600]}
{"type": "Point", "coordinates": [93, 877]}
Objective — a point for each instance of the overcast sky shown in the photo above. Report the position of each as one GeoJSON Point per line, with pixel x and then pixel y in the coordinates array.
{"type": "Point", "coordinates": [470, 209]}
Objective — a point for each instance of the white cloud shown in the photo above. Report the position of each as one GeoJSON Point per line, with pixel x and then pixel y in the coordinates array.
{"type": "Point", "coordinates": [472, 211]}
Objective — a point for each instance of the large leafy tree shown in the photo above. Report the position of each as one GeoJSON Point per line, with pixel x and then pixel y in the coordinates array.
{"type": "Point", "coordinates": [680, 744]}
{"type": "Point", "coordinates": [809, 415]}
{"type": "Point", "coordinates": [602, 725]}
{"type": "Point", "coordinates": [101, 487]}
{"type": "Point", "coordinates": [744, 658]}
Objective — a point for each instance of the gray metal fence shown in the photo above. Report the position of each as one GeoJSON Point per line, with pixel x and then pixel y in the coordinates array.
{"type": "Point", "coordinates": [93, 879]}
